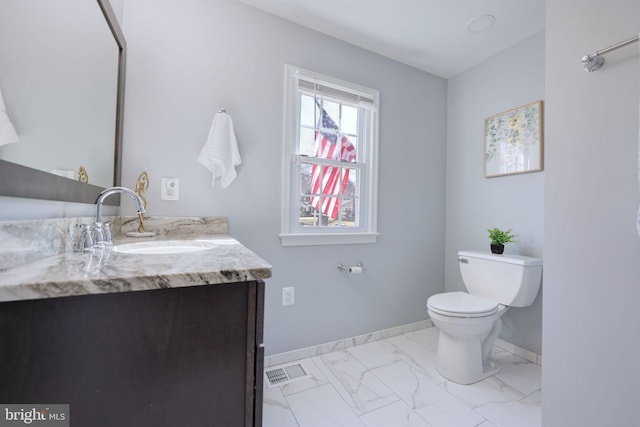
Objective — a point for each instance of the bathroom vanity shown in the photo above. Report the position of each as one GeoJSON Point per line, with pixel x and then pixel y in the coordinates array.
{"type": "Point", "coordinates": [172, 339]}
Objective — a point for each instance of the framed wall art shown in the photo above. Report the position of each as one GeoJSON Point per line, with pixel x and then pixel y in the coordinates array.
{"type": "Point", "coordinates": [513, 141]}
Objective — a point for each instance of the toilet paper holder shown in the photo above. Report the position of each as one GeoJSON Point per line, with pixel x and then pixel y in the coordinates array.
{"type": "Point", "coordinates": [350, 268]}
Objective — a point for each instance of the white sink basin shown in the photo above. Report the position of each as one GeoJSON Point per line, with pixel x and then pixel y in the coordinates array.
{"type": "Point", "coordinates": [163, 247]}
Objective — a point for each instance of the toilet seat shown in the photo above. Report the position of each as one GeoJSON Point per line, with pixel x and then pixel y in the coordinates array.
{"type": "Point", "coordinates": [461, 304]}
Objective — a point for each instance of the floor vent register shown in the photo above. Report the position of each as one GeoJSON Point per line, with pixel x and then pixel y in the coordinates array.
{"type": "Point", "coordinates": [285, 375]}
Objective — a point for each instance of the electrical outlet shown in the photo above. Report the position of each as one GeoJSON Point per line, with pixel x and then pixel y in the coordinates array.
{"type": "Point", "coordinates": [169, 189]}
{"type": "Point", "coordinates": [288, 296]}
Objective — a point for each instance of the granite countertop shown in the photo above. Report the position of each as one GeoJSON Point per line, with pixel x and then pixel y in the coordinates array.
{"type": "Point", "coordinates": [72, 273]}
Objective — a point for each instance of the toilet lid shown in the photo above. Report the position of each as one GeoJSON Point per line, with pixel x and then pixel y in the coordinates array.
{"type": "Point", "coordinates": [461, 304]}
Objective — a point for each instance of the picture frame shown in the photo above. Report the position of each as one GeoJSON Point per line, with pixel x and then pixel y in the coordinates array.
{"type": "Point", "coordinates": [513, 141]}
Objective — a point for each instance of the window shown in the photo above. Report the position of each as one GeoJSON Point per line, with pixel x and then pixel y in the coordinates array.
{"type": "Point", "coordinates": [330, 167]}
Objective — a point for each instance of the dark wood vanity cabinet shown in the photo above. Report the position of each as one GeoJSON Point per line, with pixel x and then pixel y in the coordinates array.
{"type": "Point", "coordinates": [176, 357]}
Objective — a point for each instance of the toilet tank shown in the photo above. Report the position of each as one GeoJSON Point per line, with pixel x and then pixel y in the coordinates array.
{"type": "Point", "coordinates": [512, 280]}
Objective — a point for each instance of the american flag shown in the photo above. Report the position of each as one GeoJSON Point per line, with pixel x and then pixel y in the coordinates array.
{"type": "Point", "coordinates": [326, 179]}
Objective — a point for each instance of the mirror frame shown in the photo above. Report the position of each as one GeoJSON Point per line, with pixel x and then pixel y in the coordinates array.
{"type": "Point", "coordinates": [22, 181]}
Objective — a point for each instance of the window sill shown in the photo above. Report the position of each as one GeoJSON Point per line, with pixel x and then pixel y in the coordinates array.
{"type": "Point", "coordinates": [328, 239]}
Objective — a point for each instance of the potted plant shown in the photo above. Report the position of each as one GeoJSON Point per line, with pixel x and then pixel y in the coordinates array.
{"type": "Point", "coordinates": [499, 238]}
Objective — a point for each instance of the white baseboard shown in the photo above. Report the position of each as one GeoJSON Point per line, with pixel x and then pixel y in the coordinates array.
{"type": "Point", "coordinates": [519, 351]}
{"type": "Point", "coordinates": [302, 353]}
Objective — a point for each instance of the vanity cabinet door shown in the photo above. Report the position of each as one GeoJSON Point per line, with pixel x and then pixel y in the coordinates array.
{"type": "Point", "coordinates": [169, 357]}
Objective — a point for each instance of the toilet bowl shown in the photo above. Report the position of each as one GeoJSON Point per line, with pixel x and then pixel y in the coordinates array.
{"type": "Point", "coordinates": [470, 322]}
{"type": "Point", "coordinates": [466, 336]}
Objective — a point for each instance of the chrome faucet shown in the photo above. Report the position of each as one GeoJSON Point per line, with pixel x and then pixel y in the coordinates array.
{"type": "Point", "coordinates": [98, 235]}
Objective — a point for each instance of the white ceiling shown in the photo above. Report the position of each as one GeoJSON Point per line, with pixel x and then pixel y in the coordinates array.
{"type": "Point", "coordinates": [428, 34]}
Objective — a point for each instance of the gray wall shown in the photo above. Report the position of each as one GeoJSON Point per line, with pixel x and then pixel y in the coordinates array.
{"type": "Point", "coordinates": [475, 203]}
{"type": "Point", "coordinates": [592, 250]}
{"type": "Point", "coordinates": [187, 59]}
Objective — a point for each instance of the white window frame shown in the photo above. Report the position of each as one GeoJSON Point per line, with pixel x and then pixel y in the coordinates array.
{"type": "Point", "coordinates": [292, 234]}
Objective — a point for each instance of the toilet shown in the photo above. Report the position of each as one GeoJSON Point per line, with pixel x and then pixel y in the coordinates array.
{"type": "Point", "coordinates": [469, 322]}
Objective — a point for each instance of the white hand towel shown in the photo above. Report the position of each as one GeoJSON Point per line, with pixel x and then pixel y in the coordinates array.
{"type": "Point", "coordinates": [220, 153]}
{"type": "Point", "coordinates": [7, 131]}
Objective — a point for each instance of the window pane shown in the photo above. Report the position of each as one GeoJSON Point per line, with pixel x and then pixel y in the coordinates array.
{"type": "Point", "coordinates": [349, 209]}
{"type": "Point", "coordinates": [349, 122]}
{"type": "Point", "coordinates": [306, 142]}
{"type": "Point", "coordinates": [348, 149]}
{"type": "Point", "coordinates": [322, 182]}
{"type": "Point", "coordinates": [318, 180]}
{"type": "Point", "coordinates": [305, 178]}
{"type": "Point", "coordinates": [333, 110]}
{"type": "Point", "coordinates": [307, 111]}
{"type": "Point", "coordinates": [350, 183]}
{"type": "Point", "coordinates": [306, 213]}
{"type": "Point", "coordinates": [331, 209]}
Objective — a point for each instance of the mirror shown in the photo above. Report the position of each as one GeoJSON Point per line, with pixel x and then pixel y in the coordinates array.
{"type": "Point", "coordinates": [62, 80]}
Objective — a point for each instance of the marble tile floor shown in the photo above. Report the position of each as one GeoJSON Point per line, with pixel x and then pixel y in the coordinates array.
{"type": "Point", "coordinates": [393, 383]}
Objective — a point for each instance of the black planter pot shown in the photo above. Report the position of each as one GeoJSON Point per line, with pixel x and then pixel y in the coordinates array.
{"type": "Point", "coordinates": [497, 249]}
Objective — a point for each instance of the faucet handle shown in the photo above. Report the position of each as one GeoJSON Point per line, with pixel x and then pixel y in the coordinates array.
{"type": "Point", "coordinates": [84, 242]}
{"type": "Point", "coordinates": [106, 234]}
{"type": "Point", "coordinates": [98, 236]}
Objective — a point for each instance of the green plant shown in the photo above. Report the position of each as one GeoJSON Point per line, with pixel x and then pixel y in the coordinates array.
{"type": "Point", "coordinates": [500, 237]}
